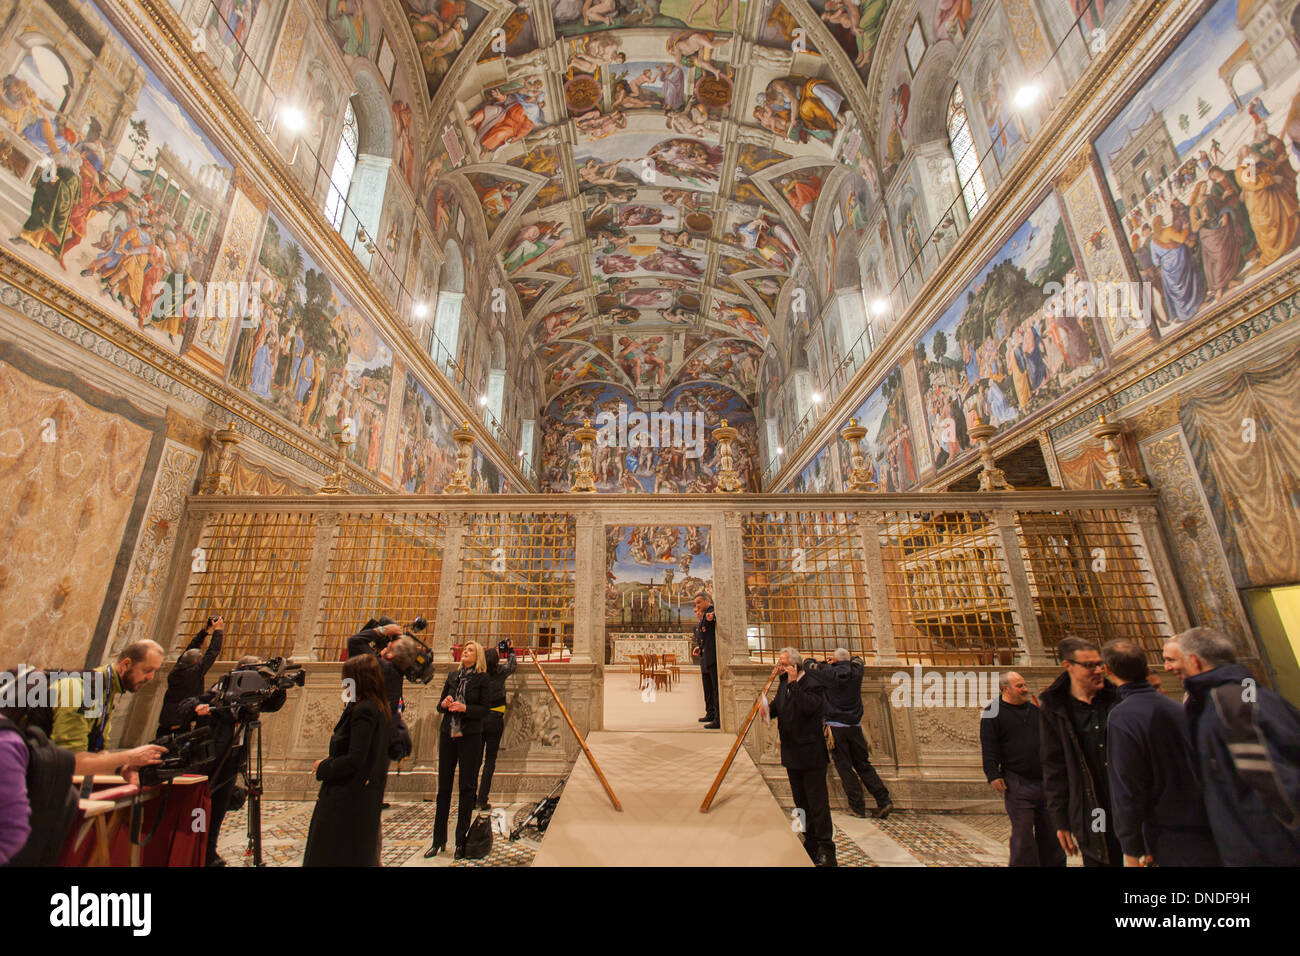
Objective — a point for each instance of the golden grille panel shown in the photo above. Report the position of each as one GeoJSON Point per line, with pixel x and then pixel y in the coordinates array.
{"type": "Point", "coordinates": [516, 580]}
{"type": "Point", "coordinates": [252, 569]}
{"type": "Point", "coordinates": [949, 597]}
{"type": "Point", "coordinates": [805, 584]}
{"type": "Point", "coordinates": [380, 564]}
{"type": "Point", "coordinates": [1089, 578]}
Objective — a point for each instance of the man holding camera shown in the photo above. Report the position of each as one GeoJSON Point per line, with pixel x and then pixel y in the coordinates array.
{"type": "Point", "coordinates": [186, 678]}
{"type": "Point", "coordinates": [706, 649]}
{"type": "Point", "coordinates": [798, 707]}
{"type": "Point", "coordinates": [230, 755]}
{"type": "Point", "coordinates": [396, 652]}
{"type": "Point", "coordinates": [842, 680]}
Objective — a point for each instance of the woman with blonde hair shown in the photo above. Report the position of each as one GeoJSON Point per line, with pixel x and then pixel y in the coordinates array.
{"type": "Point", "coordinates": [464, 704]}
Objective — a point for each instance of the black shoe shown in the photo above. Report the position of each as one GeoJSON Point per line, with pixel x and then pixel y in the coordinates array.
{"type": "Point", "coordinates": [460, 853]}
{"type": "Point", "coordinates": [713, 726]}
{"type": "Point", "coordinates": [705, 719]}
{"type": "Point", "coordinates": [384, 806]}
{"type": "Point", "coordinates": [881, 812]}
{"type": "Point", "coordinates": [825, 858]}
{"type": "Point", "coordinates": [215, 860]}
{"type": "Point", "coordinates": [433, 851]}
{"type": "Point", "coordinates": [858, 812]}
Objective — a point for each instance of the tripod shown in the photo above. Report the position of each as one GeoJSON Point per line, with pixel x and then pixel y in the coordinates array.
{"type": "Point", "coordinates": [542, 813]}
{"type": "Point", "coordinates": [253, 782]}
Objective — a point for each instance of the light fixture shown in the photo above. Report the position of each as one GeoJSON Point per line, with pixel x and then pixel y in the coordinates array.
{"type": "Point", "coordinates": [817, 398]}
{"type": "Point", "coordinates": [780, 450]}
{"type": "Point", "coordinates": [482, 400]}
{"type": "Point", "coordinates": [293, 118]}
{"type": "Point", "coordinates": [522, 453]}
{"type": "Point", "coordinates": [1027, 95]}
{"type": "Point", "coordinates": [879, 305]}
{"type": "Point", "coordinates": [420, 310]}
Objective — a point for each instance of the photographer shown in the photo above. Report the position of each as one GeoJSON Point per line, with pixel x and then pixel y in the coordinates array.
{"type": "Point", "coordinates": [495, 721]}
{"type": "Point", "coordinates": [345, 825]}
{"type": "Point", "coordinates": [186, 678]}
{"type": "Point", "coordinates": [396, 652]}
{"type": "Point", "coordinates": [229, 753]}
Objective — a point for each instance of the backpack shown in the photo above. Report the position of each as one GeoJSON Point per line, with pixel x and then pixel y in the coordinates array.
{"type": "Point", "coordinates": [50, 795]}
{"type": "Point", "coordinates": [1250, 755]}
{"type": "Point", "coordinates": [478, 842]}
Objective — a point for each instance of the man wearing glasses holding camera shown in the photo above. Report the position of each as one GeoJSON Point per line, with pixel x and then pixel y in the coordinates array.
{"type": "Point", "coordinates": [1074, 713]}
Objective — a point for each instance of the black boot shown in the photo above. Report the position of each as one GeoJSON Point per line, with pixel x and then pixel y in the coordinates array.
{"type": "Point", "coordinates": [434, 850]}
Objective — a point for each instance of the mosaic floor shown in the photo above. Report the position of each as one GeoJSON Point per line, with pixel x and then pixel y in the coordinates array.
{"type": "Point", "coordinates": [906, 838]}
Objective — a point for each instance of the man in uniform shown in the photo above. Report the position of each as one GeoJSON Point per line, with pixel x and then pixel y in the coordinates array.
{"type": "Point", "coordinates": [706, 649]}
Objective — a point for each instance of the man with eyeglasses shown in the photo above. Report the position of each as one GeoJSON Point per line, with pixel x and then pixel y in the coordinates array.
{"type": "Point", "coordinates": [1074, 713]}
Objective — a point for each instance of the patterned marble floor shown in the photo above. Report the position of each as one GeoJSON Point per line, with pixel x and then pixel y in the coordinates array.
{"type": "Point", "coordinates": [906, 838]}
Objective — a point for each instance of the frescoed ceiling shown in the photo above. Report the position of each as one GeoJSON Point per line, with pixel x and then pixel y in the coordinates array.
{"type": "Point", "coordinates": [649, 171]}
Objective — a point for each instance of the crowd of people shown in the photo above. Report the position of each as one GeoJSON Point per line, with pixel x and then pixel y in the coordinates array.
{"type": "Point", "coordinates": [1106, 767]}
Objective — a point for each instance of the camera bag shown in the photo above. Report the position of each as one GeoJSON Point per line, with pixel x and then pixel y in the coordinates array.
{"type": "Point", "coordinates": [50, 795]}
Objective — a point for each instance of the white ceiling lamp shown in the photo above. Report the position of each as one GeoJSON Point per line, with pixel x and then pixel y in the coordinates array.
{"type": "Point", "coordinates": [294, 119]}
{"type": "Point", "coordinates": [817, 398]}
{"type": "Point", "coordinates": [779, 450]}
{"type": "Point", "coordinates": [1027, 95]}
{"type": "Point", "coordinates": [420, 310]}
{"type": "Point", "coordinates": [482, 400]}
{"type": "Point", "coordinates": [879, 305]}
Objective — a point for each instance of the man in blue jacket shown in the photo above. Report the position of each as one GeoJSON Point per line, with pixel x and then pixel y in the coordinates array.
{"type": "Point", "coordinates": [1247, 742]}
{"type": "Point", "coordinates": [842, 681]}
{"type": "Point", "coordinates": [1155, 797]}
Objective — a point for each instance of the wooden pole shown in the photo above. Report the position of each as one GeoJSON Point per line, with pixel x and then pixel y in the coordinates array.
{"type": "Point", "coordinates": [735, 747]}
{"type": "Point", "coordinates": [609, 791]}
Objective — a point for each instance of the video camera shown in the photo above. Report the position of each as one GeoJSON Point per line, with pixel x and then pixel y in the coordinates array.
{"type": "Point", "coordinates": [185, 752]}
{"type": "Point", "coordinates": [245, 689]}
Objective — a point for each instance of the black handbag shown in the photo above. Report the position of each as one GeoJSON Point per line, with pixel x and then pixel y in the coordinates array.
{"type": "Point", "coordinates": [478, 842]}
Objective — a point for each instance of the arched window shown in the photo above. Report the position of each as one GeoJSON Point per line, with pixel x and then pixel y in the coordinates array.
{"type": "Point", "coordinates": [969, 173]}
{"type": "Point", "coordinates": [345, 164]}
{"type": "Point", "coordinates": [44, 70]}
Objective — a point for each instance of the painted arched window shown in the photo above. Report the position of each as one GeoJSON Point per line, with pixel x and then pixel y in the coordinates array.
{"type": "Point", "coordinates": [969, 173]}
{"type": "Point", "coordinates": [345, 164]}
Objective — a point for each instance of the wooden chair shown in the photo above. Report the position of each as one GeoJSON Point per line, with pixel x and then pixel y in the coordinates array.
{"type": "Point", "coordinates": [671, 666]}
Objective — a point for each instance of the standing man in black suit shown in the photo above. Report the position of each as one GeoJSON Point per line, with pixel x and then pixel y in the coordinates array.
{"type": "Point", "coordinates": [706, 649]}
{"type": "Point", "coordinates": [798, 707]}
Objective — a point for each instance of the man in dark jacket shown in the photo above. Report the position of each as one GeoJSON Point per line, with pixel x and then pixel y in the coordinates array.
{"type": "Point", "coordinates": [841, 681]}
{"type": "Point", "coordinates": [228, 745]}
{"type": "Point", "coordinates": [186, 678]}
{"type": "Point", "coordinates": [1009, 742]}
{"type": "Point", "coordinates": [1247, 741]}
{"type": "Point", "coordinates": [798, 707]}
{"type": "Point", "coordinates": [706, 649]}
{"type": "Point", "coordinates": [1072, 728]}
{"type": "Point", "coordinates": [1158, 811]}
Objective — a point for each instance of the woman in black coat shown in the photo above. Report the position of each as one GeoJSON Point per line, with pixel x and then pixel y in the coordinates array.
{"type": "Point", "coordinates": [345, 824]}
{"type": "Point", "coordinates": [464, 704]}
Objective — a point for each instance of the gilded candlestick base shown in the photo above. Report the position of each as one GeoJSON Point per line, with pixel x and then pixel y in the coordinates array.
{"type": "Point", "coordinates": [337, 483]}
{"type": "Point", "coordinates": [219, 481]}
{"type": "Point", "coordinates": [1116, 474]}
{"type": "Point", "coordinates": [861, 478]}
{"type": "Point", "coordinates": [584, 479]}
{"type": "Point", "coordinates": [728, 479]}
{"type": "Point", "coordinates": [459, 484]}
{"type": "Point", "coordinates": [992, 478]}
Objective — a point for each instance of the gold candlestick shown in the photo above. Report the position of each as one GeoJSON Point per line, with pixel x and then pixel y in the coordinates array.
{"type": "Point", "coordinates": [1117, 474]}
{"type": "Point", "coordinates": [584, 479]}
{"type": "Point", "coordinates": [860, 479]}
{"type": "Point", "coordinates": [992, 478]}
{"type": "Point", "coordinates": [337, 482]}
{"type": "Point", "coordinates": [218, 481]}
{"type": "Point", "coordinates": [459, 484]}
{"type": "Point", "coordinates": [728, 480]}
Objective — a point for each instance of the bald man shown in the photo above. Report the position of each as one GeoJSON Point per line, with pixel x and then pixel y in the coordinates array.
{"type": "Point", "coordinates": [1009, 743]}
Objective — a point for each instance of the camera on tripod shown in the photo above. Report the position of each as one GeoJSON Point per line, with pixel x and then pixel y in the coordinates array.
{"type": "Point", "coordinates": [185, 752]}
{"type": "Point", "coordinates": [244, 690]}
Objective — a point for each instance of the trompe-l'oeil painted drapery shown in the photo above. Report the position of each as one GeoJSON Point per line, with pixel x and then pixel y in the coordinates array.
{"type": "Point", "coordinates": [1253, 486]}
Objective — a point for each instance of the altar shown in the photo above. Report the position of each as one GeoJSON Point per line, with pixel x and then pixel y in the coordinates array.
{"type": "Point", "coordinates": [623, 646]}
